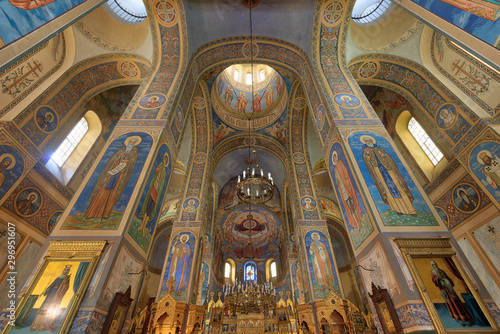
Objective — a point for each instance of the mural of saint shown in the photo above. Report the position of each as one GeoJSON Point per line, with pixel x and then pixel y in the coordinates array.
{"type": "Point", "coordinates": [447, 116]}
{"type": "Point", "coordinates": [256, 102]}
{"type": "Point", "coordinates": [491, 169]}
{"type": "Point", "coordinates": [179, 268]}
{"type": "Point", "coordinates": [250, 272]}
{"type": "Point", "coordinates": [466, 198]}
{"type": "Point", "coordinates": [241, 104]}
{"type": "Point", "coordinates": [153, 195]}
{"type": "Point", "coordinates": [44, 121]}
{"type": "Point", "coordinates": [390, 184]}
{"type": "Point", "coordinates": [346, 192]}
{"type": "Point", "coordinates": [7, 161]}
{"type": "Point", "coordinates": [228, 95]}
{"type": "Point", "coordinates": [113, 180]}
{"type": "Point", "coordinates": [453, 303]}
{"type": "Point", "coordinates": [269, 96]}
{"type": "Point", "coordinates": [25, 206]}
{"type": "Point", "coordinates": [152, 102]}
{"type": "Point", "coordinates": [54, 293]}
{"type": "Point", "coordinates": [322, 267]}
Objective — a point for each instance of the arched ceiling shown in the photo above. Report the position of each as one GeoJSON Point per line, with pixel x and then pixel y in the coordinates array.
{"type": "Point", "coordinates": [293, 23]}
{"type": "Point", "coordinates": [233, 163]}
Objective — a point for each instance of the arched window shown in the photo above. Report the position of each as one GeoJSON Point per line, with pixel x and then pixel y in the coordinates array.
{"type": "Point", "coordinates": [236, 75]}
{"type": "Point", "coordinates": [271, 269]}
{"type": "Point", "coordinates": [70, 142]}
{"type": "Point", "coordinates": [418, 144]}
{"type": "Point", "coordinates": [274, 272]}
{"type": "Point", "coordinates": [229, 271]}
{"type": "Point", "coordinates": [250, 272]}
{"type": "Point", "coordinates": [262, 75]}
{"type": "Point", "coordinates": [74, 148]}
{"type": "Point", "coordinates": [425, 142]}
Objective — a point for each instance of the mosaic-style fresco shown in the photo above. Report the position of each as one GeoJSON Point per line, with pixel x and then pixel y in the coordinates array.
{"type": "Point", "coordinates": [476, 18]}
{"type": "Point", "coordinates": [396, 196]}
{"type": "Point", "coordinates": [388, 105]}
{"type": "Point", "coordinates": [88, 322]}
{"type": "Point", "coordinates": [146, 216]}
{"type": "Point", "coordinates": [11, 168]}
{"type": "Point", "coordinates": [53, 221]}
{"type": "Point", "coordinates": [453, 207]}
{"type": "Point", "coordinates": [260, 225]}
{"type": "Point", "coordinates": [278, 128]}
{"type": "Point", "coordinates": [110, 105]}
{"type": "Point", "coordinates": [169, 208]}
{"type": "Point", "coordinates": [103, 200]}
{"type": "Point", "coordinates": [353, 206]}
{"type": "Point", "coordinates": [20, 17]}
{"type": "Point", "coordinates": [178, 268]}
{"type": "Point", "coordinates": [238, 99]}
{"type": "Point", "coordinates": [28, 202]}
{"type": "Point", "coordinates": [220, 128]}
{"type": "Point", "coordinates": [321, 264]}
{"type": "Point", "coordinates": [329, 207]}
{"type": "Point", "coordinates": [485, 164]}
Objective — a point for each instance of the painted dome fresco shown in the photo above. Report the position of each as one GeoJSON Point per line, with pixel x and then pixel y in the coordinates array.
{"type": "Point", "coordinates": [236, 100]}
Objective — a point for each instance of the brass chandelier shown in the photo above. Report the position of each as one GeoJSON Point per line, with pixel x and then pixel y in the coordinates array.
{"type": "Point", "coordinates": [249, 297]}
{"type": "Point", "coordinates": [254, 186]}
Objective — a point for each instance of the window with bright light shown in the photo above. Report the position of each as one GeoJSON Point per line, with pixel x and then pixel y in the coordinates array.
{"type": "Point", "coordinates": [129, 10]}
{"type": "Point", "coordinates": [248, 79]}
{"type": "Point", "coordinates": [69, 144]}
{"type": "Point", "coordinates": [262, 75]}
{"type": "Point", "coordinates": [227, 270]}
{"type": "Point", "coordinates": [423, 139]}
{"type": "Point", "coordinates": [273, 269]}
{"type": "Point", "coordinates": [236, 75]}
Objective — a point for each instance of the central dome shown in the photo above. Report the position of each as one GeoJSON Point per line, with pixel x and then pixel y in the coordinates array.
{"type": "Point", "coordinates": [246, 93]}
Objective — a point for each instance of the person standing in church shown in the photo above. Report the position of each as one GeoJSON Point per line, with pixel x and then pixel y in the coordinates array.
{"type": "Point", "coordinates": [113, 180]}
{"type": "Point", "coordinates": [386, 176]}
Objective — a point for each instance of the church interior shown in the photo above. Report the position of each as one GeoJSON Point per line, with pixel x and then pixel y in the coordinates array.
{"type": "Point", "coordinates": [249, 166]}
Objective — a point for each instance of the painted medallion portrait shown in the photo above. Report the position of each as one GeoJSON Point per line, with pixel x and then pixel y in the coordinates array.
{"type": "Point", "coordinates": [53, 221]}
{"type": "Point", "coordinates": [466, 198]}
{"type": "Point", "coordinates": [446, 116]}
{"type": "Point", "coordinates": [347, 100]}
{"type": "Point", "coordinates": [191, 204]}
{"type": "Point", "coordinates": [152, 101]}
{"type": "Point", "coordinates": [442, 213]}
{"type": "Point", "coordinates": [46, 119]}
{"type": "Point", "coordinates": [28, 202]}
{"type": "Point", "coordinates": [308, 203]}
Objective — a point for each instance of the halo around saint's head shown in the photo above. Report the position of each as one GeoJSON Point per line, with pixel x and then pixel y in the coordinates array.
{"type": "Point", "coordinates": [315, 236]}
{"type": "Point", "coordinates": [335, 157]}
{"type": "Point", "coordinates": [136, 138]}
{"type": "Point", "coordinates": [184, 238]}
{"type": "Point", "coordinates": [34, 194]}
{"type": "Point", "coordinates": [488, 153]}
{"type": "Point", "coordinates": [363, 138]}
{"type": "Point", "coordinates": [11, 157]}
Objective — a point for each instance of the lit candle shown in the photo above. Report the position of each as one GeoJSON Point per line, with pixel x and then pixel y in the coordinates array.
{"type": "Point", "coordinates": [244, 173]}
{"type": "Point", "coordinates": [239, 178]}
{"type": "Point", "coordinates": [253, 171]}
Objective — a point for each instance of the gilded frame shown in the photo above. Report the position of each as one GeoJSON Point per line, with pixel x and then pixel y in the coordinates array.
{"type": "Point", "coordinates": [62, 253]}
{"type": "Point", "coordinates": [415, 249]}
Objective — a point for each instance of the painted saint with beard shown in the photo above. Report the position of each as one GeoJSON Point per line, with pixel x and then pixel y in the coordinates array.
{"type": "Point", "coordinates": [113, 180]}
{"type": "Point", "coordinates": [389, 181]}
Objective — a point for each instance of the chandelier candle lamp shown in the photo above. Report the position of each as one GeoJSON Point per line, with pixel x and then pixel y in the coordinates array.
{"type": "Point", "coordinates": [249, 297]}
{"type": "Point", "coordinates": [254, 186]}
